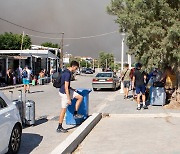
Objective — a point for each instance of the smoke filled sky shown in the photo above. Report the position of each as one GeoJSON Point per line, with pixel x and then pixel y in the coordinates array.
{"type": "Point", "coordinates": [76, 18]}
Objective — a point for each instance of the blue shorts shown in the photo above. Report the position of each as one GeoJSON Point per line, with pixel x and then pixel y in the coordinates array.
{"type": "Point", "coordinates": [26, 81]}
{"type": "Point", "coordinates": [141, 89]}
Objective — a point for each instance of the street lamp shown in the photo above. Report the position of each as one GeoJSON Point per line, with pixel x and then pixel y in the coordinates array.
{"type": "Point", "coordinates": [122, 51]}
{"type": "Point", "coordinates": [122, 60]}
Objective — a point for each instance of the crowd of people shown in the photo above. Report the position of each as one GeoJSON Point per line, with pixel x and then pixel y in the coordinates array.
{"type": "Point", "coordinates": [139, 82]}
{"type": "Point", "coordinates": [25, 76]}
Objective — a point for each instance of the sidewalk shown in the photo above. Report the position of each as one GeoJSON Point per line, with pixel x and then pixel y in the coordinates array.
{"type": "Point", "coordinates": [11, 87]}
{"type": "Point", "coordinates": [128, 131]}
{"type": "Point", "coordinates": [120, 135]}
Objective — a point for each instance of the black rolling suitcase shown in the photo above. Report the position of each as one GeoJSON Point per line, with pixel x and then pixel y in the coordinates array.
{"type": "Point", "coordinates": [29, 112]}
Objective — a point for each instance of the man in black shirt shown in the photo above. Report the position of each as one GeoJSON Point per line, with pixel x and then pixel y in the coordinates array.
{"type": "Point", "coordinates": [67, 94]}
{"type": "Point", "coordinates": [138, 82]}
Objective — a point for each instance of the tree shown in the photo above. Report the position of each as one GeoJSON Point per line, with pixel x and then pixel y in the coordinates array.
{"type": "Point", "coordinates": [106, 58]}
{"type": "Point", "coordinates": [153, 30]}
{"type": "Point", "coordinates": [10, 41]}
{"type": "Point", "coordinates": [50, 45]}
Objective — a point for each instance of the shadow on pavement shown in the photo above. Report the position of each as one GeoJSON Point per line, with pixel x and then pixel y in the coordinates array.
{"type": "Point", "coordinates": [29, 142]}
{"type": "Point", "coordinates": [33, 92]}
{"type": "Point", "coordinates": [73, 127]}
{"type": "Point", "coordinates": [106, 90]}
{"type": "Point", "coordinates": [39, 121]}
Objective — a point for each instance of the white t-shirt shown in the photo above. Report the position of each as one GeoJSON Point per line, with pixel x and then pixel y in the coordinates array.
{"type": "Point", "coordinates": [28, 74]}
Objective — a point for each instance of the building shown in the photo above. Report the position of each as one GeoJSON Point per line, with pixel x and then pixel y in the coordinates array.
{"type": "Point", "coordinates": [36, 59]}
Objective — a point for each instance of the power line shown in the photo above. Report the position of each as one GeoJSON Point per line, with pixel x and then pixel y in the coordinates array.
{"type": "Point", "coordinates": [26, 27]}
{"type": "Point", "coordinates": [56, 38]}
{"type": "Point", "coordinates": [74, 38]}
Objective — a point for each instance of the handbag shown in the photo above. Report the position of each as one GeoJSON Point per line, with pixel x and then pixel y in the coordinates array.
{"type": "Point", "coordinates": [124, 75]}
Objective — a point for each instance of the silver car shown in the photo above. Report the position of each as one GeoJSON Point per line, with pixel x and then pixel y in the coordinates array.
{"type": "Point", "coordinates": [10, 126]}
{"type": "Point", "coordinates": [105, 80]}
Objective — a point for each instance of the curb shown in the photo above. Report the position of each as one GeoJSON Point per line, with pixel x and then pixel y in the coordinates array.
{"type": "Point", "coordinates": [73, 140]}
{"type": "Point", "coordinates": [159, 115]}
{"type": "Point", "coordinates": [11, 87]}
{"type": "Point", "coordinates": [88, 75]}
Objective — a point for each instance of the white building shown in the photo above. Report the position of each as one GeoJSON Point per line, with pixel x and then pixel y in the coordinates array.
{"type": "Point", "coordinates": [36, 59]}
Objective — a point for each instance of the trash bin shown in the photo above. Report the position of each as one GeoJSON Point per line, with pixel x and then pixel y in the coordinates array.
{"type": "Point", "coordinates": [83, 109]}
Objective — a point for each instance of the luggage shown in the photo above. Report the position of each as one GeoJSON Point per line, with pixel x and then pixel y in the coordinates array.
{"type": "Point", "coordinates": [47, 79]}
{"type": "Point", "coordinates": [19, 104]}
{"type": "Point", "coordinates": [41, 81]}
{"type": "Point", "coordinates": [157, 96]}
{"type": "Point", "coordinates": [29, 112]}
{"type": "Point", "coordinates": [33, 82]}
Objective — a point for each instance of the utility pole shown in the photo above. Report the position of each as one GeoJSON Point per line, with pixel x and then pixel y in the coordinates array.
{"type": "Point", "coordinates": [61, 53]}
{"type": "Point", "coordinates": [79, 64]}
{"type": "Point", "coordinates": [114, 64]}
{"type": "Point", "coordinates": [129, 60]}
{"type": "Point", "coordinates": [86, 64]}
{"type": "Point", "coordinates": [106, 64]}
{"type": "Point", "coordinates": [122, 63]}
{"type": "Point", "coordinates": [22, 40]}
{"type": "Point", "coordinates": [122, 54]}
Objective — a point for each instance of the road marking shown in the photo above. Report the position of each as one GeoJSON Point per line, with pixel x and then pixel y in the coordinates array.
{"type": "Point", "coordinates": [159, 115]}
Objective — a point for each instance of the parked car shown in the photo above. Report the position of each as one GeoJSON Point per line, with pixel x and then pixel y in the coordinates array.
{"type": "Point", "coordinates": [106, 80]}
{"type": "Point", "coordinates": [83, 70]}
{"type": "Point", "coordinates": [10, 126]}
{"type": "Point", "coordinates": [89, 71]}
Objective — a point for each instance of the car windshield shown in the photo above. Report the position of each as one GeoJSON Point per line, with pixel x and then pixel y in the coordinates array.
{"type": "Point", "coordinates": [88, 69]}
{"type": "Point", "coordinates": [104, 75]}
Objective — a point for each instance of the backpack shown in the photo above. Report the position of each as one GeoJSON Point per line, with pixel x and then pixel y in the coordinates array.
{"type": "Point", "coordinates": [24, 74]}
{"type": "Point", "coordinates": [57, 81]}
{"type": "Point", "coordinates": [132, 73]}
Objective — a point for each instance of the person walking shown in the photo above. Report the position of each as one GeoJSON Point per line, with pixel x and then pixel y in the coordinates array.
{"type": "Point", "coordinates": [26, 75]}
{"type": "Point", "coordinates": [132, 88]}
{"type": "Point", "coordinates": [51, 73]}
{"type": "Point", "coordinates": [67, 94]}
{"type": "Point", "coordinates": [9, 76]}
{"type": "Point", "coordinates": [19, 76]}
{"type": "Point", "coordinates": [138, 82]}
{"type": "Point", "coordinates": [125, 77]}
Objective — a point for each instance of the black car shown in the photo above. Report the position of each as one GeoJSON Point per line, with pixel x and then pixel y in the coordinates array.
{"type": "Point", "coordinates": [89, 71]}
{"type": "Point", "coordinates": [83, 70]}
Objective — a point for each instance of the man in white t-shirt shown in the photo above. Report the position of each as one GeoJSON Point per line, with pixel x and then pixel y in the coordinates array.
{"type": "Point", "coordinates": [26, 75]}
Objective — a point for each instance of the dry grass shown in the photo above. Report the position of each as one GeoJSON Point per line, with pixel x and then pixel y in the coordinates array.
{"type": "Point", "coordinates": [174, 102]}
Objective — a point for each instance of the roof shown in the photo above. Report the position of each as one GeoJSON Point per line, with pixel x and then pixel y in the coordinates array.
{"type": "Point", "coordinates": [29, 53]}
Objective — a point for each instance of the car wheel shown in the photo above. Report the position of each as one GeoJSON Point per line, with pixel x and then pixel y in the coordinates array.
{"type": "Point", "coordinates": [15, 140]}
{"type": "Point", "coordinates": [95, 89]}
